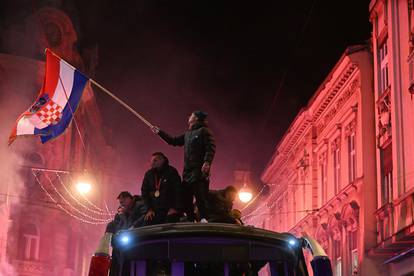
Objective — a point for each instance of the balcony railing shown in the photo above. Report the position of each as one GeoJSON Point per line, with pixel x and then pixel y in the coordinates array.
{"type": "Point", "coordinates": [31, 267]}
{"type": "Point", "coordinates": [395, 226]}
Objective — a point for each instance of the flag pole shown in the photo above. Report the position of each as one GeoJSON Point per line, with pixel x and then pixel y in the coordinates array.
{"type": "Point", "coordinates": [121, 102]}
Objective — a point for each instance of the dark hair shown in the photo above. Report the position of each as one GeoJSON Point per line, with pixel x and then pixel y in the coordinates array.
{"type": "Point", "coordinates": [201, 116]}
{"type": "Point", "coordinates": [158, 153]}
{"type": "Point", "coordinates": [230, 189]}
{"type": "Point", "coordinates": [124, 194]}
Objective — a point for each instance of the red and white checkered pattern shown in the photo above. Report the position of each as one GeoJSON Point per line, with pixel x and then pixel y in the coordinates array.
{"type": "Point", "coordinates": [51, 113]}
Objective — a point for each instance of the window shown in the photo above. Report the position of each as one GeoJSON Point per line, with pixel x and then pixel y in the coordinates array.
{"type": "Point", "coordinates": [383, 62]}
{"type": "Point", "coordinates": [302, 191]}
{"type": "Point", "coordinates": [351, 158]}
{"type": "Point", "coordinates": [294, 207]}
{"type": "Point", "coordinates": [337, 258]}
{"type": "Point", "coordinates": [336, 156]}
{"type": "Point", "coordinates": [411, 71]}
{"type": "Point", "coordinates": [29, 243]}
{"type": "Point", "coordinates": [386, 174]}
{"type": "Point", "coordinates": [323, 177]}
{"type": "Point", "coordinates": [353, 248]}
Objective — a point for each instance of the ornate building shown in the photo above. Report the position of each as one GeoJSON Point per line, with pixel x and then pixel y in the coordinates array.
{"type": "Point", "coordinates": [37, 237]}
{"type": "Point", "coordinates": [393, 51]}
{"type": "Point", "coordinates": [322, 174]}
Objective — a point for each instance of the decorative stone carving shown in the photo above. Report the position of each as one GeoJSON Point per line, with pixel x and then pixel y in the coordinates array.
{"type": "Point", "coordinates": [350, 216]}
{"type": "Point", "coordinates": [336, 144]}
{"type": "Point", "coordinates": [322, 158]}
{"type": "Point", "coordinates": [350, 128]}
{"type": "Point", "coordinates": [322, 236]}
{"type": "Point", "coordinates": [335, 226]}
{"type": "Point", "coordinates": [57, 33]}
{"type": "Point", "coordinates": [353, 87]}
{"type": "Point", "coordinates": [384, 119]}
{"type": "Point", "coordinates": [411, 14]}
{"type": "Point", "coordinates": [304, 161]}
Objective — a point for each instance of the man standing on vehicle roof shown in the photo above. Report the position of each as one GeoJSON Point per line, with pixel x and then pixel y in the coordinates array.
{"type": "Point", "coordinates": [199, 149]}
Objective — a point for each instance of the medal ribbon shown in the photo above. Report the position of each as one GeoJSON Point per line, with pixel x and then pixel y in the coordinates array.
{"type": "Point", "coordinates": [157, 182]}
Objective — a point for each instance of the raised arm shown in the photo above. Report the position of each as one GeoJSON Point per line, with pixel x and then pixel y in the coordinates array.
{"type": "Point", "coordinates": [171, 140]}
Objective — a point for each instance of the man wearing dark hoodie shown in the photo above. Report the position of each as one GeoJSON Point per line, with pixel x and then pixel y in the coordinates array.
{"type": "Point", "coordinates": [199, 149]}
{"type": "Point", "coordinates": [160, 190]}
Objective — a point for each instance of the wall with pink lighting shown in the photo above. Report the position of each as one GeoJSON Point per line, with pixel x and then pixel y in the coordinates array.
{"type": "Point", "coordinates": [37, 236]}
{"type": "Point", "coordinates": [322, 174]}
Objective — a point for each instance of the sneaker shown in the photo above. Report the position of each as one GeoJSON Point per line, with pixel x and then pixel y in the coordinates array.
{"type": "Point", "coordinates": [203, 220]}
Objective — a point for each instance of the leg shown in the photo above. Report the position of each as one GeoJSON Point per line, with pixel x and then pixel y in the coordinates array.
{"type": "Point", "coordinates": [114, 270]}
{"type": "Point", "coordinates": [200, 192]}
{"type": "Point", "coordinates": [187, 200]}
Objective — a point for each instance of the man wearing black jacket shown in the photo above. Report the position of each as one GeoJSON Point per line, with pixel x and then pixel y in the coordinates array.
{"type": "Point", "coordinates": [130, 214]}
{"type": "Point", "coordinates": [199, 149]}
{"type": "Point", "coordinates": [160, 190]}
{"type": "Point", "coordinates": [220, 205]}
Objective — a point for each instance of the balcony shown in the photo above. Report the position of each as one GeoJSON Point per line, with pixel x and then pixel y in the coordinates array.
{"type": "Point", "coordinates": [395, 225]}
{"type": "Point", "coordinates": [31, 267]}
{"type": "Point", "coordinates": [384, 119]}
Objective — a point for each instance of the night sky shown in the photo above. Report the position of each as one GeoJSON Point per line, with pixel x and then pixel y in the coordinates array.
{"type": "Point", "coordinates": [252, 65]}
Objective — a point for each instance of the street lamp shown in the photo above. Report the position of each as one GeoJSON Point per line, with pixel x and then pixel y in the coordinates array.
{"type": "Point", "coordinates": [245, 195]}
{"type": "Point", "coordinates": [84, 183]}
{"type": "Point", "coordinates": [83, 187]}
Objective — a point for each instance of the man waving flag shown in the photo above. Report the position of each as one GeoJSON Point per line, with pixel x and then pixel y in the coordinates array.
{"type": "Point", "coordinates": [56, 103]}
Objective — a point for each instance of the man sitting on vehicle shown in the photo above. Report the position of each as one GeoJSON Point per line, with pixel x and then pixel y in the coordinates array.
{"type": "Point", "coordinates": [160, 190]}
{"type": "Point", "coordinates": [220, 205]}
{"type": "Point", "coordinates": [236, 214]}
{"type": "Point", "coordinates": [131, 213]}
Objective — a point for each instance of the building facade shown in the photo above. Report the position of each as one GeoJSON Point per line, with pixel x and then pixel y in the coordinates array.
{"type": "Point", "coordinates": [41, 233]}
{"type": "Point", "coordinates": [344, 170]}
{"type": "Point", "coordinates": [393, 56]}
{"type": "Point", "coordinates": [322, 175]}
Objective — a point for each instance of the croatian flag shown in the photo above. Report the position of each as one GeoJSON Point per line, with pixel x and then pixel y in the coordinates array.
{"type": "Point", "coordinates": [56, 103]}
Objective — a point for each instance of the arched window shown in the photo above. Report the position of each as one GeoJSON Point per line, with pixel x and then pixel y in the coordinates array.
{"type": "Point", "coordinates": [29, 246]}
{"type": "Point", "coordinates": [353, 249]}
{"type": "Point", "coordinates": [35, 158]}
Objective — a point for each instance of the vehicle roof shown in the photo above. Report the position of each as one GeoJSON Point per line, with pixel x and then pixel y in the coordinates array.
{"type": "Point", "coordinates": [176, 230]}
{"type": "Point", "coordinates": [209, 242]}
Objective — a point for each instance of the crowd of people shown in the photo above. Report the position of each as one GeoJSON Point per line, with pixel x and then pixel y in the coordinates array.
{"type": "Point", "coordinates": [166, 197]}
{"type": "Point", "coordinates": [146, 209]}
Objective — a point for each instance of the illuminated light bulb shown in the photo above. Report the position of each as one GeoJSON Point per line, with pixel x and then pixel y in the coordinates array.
{"type": "Point", "coordinates": [245, 195]}
{"type": "Point", "coordinates": [83, 187]}
{"type": "Point", "coordinates": [292, 242]}
{"type": "Point", "coordinates": [124, 239]}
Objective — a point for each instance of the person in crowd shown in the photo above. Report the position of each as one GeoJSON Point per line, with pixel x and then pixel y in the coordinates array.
{"type": "Point", "coordinates": [199, 150]}
{"type": "Point", "coordinates": [220, 205]}
{"type": "Point", "coordinates": [131, 213]}
{"type": "Point", "coordinates": [237, 215]}
{"type": "Point", "coordinates": [160, 190]}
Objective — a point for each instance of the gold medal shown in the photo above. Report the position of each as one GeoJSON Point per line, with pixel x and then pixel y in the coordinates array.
{"type": "Point", "coordinates": [157, 193]}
